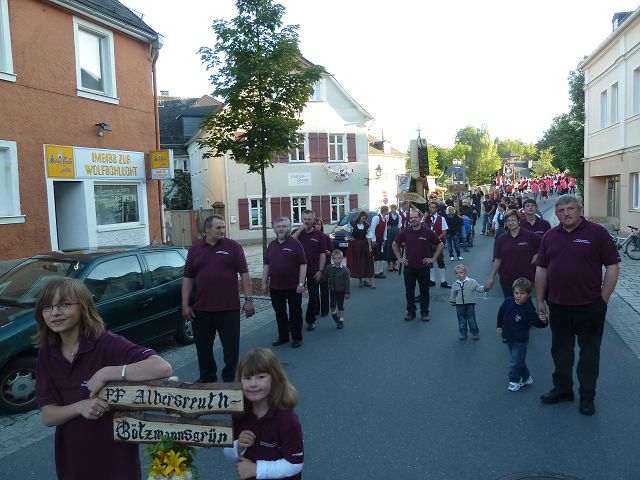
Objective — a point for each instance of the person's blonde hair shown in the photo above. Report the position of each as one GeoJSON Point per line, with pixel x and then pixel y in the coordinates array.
{"type": "Point", "coordinates": [461, 266]}
{"type": "Point", "coordinates": [91, 323]}
{"type": "Point", "coordinates": [262, 360]}
{"type": "Point", "coordinates": [524, 284]}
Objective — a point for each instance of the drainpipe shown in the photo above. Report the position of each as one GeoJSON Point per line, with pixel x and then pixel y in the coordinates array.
{"type": "Point", "coordinates": [155, 52]}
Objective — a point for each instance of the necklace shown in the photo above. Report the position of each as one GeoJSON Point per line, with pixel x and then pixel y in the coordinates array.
{"type": "Point", "coordinates": [73, 353]}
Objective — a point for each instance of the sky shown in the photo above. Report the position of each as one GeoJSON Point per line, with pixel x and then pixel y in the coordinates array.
{"type": "Point", "coordinates": [434, 65]}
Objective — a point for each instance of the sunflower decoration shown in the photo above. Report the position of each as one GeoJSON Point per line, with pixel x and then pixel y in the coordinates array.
{"type": "Point", "coordinates": [171, 460]}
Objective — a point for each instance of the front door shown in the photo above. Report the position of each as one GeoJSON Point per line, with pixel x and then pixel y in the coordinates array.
{"type": "Point", "coordinates": [613, 196]}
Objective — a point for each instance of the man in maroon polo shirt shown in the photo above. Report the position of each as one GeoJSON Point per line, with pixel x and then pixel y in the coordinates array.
{"type": "Point", "coordinates": [284, 273]}
{"type": "Point", "coordinates": [515, 255]}
{"type": "Point", "coordinates": [569, 276]}
{"type": "Point", "coordinates": [531, 220]}
{"type": "Point", "coordinates": [212, 267]}
{"type": "Point", "coordinates": [418, 242]}
{"type": "Point", "coordinates": [313, 242]}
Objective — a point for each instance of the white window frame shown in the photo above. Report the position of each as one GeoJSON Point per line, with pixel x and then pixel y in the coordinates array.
{"type": "Point", "coordinates": [9, 154]}
{"type": "Point", "coordinates": [636, 90]}
{"type": "Point", "coordinates": [345, 204]}
{"type": "Point", "coordinates": [614, 103]}
{"type": "Point", "coordinates": [257, 198]}
{"type": "Point", "coordinates": [318, 92]}
{"type": "Point", "coordinates": [604, 107]}
{"type": "Point", "coordinates": [296, 153]}
{"type": "Point", "coordinates": [107, 57]}
{"type": "Point", "coordinates": [635, 191]}
{"type": "Point", "coordinates": [6, 57]}
{"type": "Point", "coordinates": [342, 137]}
{"type": "Point", "coordinates": [307, 197]}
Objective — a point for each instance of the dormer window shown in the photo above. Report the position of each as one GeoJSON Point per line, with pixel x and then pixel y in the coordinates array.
{"type": "Point", "coordinates": [318, 92]}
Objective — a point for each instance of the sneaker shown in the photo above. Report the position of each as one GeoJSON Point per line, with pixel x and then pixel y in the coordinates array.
{"type": "Point", "coordinates": [528, 381]}
{"type": "Point", "coordinates": [475, 336]}
{"type": "Point", "coordinates": [311, 327]}
{"type": "Point", "coordinates": [340, 325]}
{"type": "Point", "coordinates": [424, 318]}
{"type": "Point", "coordinates": [451, 257]}
{"type": "Point", "coordinates": [460, 258]}
{"type": "Point", "coordinates": [335, 317]}
{"type": "Point", "coordinates": [409, 316]}
{"type": "Point", "coordinates": [445, 285]}
{"type": "Point", "coordinates": [514, 386]}
{"type": "Point", "coordinates": [432, 283]}
{"type": "Point", "coordinates": [296, 344]}
{"type": "Point", "coordinates": [462, 337]}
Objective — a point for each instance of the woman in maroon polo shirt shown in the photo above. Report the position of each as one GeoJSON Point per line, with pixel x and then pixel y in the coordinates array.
{"type": "Point", "coordinates": [77, 357]}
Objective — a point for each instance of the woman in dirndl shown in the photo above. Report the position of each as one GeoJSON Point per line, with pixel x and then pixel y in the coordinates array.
{"type": "Point", "coordinates": [360, 252]}
{"type": "Point", "coordinates": [393, 229]}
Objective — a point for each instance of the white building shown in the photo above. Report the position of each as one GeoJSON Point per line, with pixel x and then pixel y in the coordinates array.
{"type": "Point", "coordinates": [385, 164]}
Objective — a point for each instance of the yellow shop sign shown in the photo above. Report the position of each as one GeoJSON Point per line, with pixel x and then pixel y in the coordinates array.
{"type": "Point", "coordinates": [59, 161]}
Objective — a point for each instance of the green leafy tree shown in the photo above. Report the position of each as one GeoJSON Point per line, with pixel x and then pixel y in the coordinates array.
{"type": "Point", "coordinates": [481, 158]}
{"type": "Point", "coordinates": [177, 192]}
{"type": "Point", "coordinates": [566, 133]}
{"type": "Point", "coordinates": [544, 165]}
{"type": "Point", "coordinates": [264, 82]}
{"type": "Point", "coordinates": [517, 146]}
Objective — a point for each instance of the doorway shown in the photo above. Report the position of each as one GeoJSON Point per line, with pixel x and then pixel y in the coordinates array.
{"type": "Point", "coordinates": [71, 215]}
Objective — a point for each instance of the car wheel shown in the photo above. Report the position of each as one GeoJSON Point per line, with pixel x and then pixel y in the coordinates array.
{"type": "Point", "coordinates": [184, 333]}
{"type": "Point", "coordinates": [18, 385]}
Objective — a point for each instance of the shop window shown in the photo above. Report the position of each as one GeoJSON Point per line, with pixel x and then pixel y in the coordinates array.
{"type": "Point", "coordinates": [95, 62]}
{"type": "Point", "coordinates": [116, 204]}
{"type": "Point", "coordinates": [6, 59]}
{"type": "Point", "coordinates": [9, 186]}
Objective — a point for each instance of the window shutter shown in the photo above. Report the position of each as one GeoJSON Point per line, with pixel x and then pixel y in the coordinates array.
{"type": "Point", "coordinates": [285, 207]}
{"type": "Point", "coordinates": [323, 147]}
{"type": "Point", "coordinates": [353, 201]}
{"type": "Point", "coordinates": [351, 147]}
{"type": "Point", "coordinates": [243, 213]}
{"type": "Point", "coordinates": [325, 209]}
{"type": "Point", "coordinates": [315, 204]}
{"type": "Point", "coordinates": [275, 208]}
{"type": "Point", "coordinates": [313, 147]}
{"type": "Point", "coordinates": [280, 158]}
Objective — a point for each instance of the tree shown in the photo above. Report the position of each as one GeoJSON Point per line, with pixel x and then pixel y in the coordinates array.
{"type": "Point", "coordinates": [264, 82]}
{"type": "Point", "coordinates": [544, 164]}
{"type": "Point", "coordinates": [481, 159]}
{"type": "Point", "coordinates": [177, 192]}
{"type": "Point", "coordinates": [566, 133]}
{"type": "Point", "coordinates": [517, 146]}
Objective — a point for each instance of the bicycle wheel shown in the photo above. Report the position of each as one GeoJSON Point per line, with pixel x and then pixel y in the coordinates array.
{"type": "Point", "coordinates": [633, 248]}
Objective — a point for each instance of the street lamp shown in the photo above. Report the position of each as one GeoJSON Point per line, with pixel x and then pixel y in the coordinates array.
{"type": "Point", "coordinates": [378, 175]}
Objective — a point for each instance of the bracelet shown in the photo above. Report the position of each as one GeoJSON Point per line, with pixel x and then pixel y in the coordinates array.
{"type": "Point", "coordinates": [248, 299]}
{"type": "Point", "coordinates": [123, 372]}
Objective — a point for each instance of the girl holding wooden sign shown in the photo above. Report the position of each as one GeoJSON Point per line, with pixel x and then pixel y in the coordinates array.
{"type": "Point", "coordinates": [269, 443]}
{"type": "Point", "coordinates": [77, 357]}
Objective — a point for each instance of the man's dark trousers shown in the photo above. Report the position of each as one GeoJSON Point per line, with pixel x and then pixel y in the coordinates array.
{"type": "Point", "coordinates": [313, 288]}
{"type": "Point", "coordinates": [205, 326]}
{"type": "Point", "coordinates": [421, 277]}
{"type": "Point", "coordinates": [287, 323]}
{"type": "Point", "coordinates": [586, 323]}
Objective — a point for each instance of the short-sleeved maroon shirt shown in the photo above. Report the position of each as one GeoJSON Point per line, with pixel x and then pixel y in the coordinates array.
{"type": "Point", "coordinates": [278, 435]}
{"type": "Point", "coordinates": [215, 269]}
{"type": "Point", "coordinates": [313, 244]}
{"type": "Point", "coordinates": [284, 260]}
{"type": "Point", "coordinates": [539, 227]}
{"type": "Point", "coordinates": [417, 244]}
{"type": "Point", "coordinates": [574, 262]}
{"type": "Point", "coordinates": [515, 254]}
{"type": "Point", "coordinates": [83, 447]}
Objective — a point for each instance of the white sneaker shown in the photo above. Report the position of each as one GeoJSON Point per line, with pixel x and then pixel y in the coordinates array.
{"type": "Point", "coordinates": [514, 386]}
{"type": "Point", "coordinates": [528, 381]}
{"type": "Point", "coordinates": [460, 258]}
{"type": "Point", "coordinates": [451, 258]}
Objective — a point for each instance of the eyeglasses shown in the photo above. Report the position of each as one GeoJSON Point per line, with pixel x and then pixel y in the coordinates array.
{"type": "Point", "coordinates": [61, 306]}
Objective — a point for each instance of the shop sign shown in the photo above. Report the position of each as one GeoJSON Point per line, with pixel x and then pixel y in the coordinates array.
{"type": "Point", "coordinates": [161, 164]}
{"type": "Point", "coordinates": [93, 163]}
{"type": "Point", "coordinates": [299, 179]}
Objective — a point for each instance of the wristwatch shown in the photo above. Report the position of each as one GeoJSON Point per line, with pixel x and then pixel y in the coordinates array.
{"type": "Point", "coordinates": [301, 284]}
{"type": "Point", "coordinates": [248, 299]}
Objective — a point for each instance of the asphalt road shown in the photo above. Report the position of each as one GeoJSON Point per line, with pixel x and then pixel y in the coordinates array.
{"type": "Point", "coordinates": [389, 399]}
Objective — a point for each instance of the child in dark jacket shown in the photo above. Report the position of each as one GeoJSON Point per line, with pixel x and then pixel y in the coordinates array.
{"type": "Point", "coordinates": [339, 284]}
{"type": "Point", "coordinates": [515, 317]}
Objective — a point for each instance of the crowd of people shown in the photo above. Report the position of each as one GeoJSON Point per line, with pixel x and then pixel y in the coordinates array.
{"type": "Point", "coordinates": [529, 259]}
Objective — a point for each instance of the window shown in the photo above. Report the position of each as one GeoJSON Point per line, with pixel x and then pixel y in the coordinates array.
{"type": "Point", "coordinates": [635, 191]}
{"type": "Point", "coordinates": [338, 208]}
{"type": "Point", "coordinates": [614, 103]}
{"type": "Point", "coordinates": [164, 267]}
{"type": "Point", "coordinates": [95, 62]}
{"type": "Point", "coordinates": [636, 91]}
{"type": "Point", "coordinates": [336, 147]}
{"type": "Point", "coordinates": [297, 154]}
{"type": "Point", "coordinates": [317, 92]}
{"type": "Point", "coordinates": [603, 109]}
{"type": "Point", "coordinates": [255, 212]}
{"type": "Point", "coordinates": [6, 59]}
{"type": "Point", "coordinates": [116, 204]}
{"type": "Point", "coordinates": [9, 186]}
{"type": "Point", "coordinates": [114, 278]}
{"type": "Point", "coordinates": [298, 205]}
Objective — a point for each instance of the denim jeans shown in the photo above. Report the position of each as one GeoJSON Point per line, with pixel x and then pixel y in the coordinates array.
{"type": "Point", "coordinates": [486, 220]}
{"type": "Point", "coordinates": [467, 315]}
{"type": "Point", "coordinates": [453, 243]}
{"type": "Point", "coordinates": [518, 370]}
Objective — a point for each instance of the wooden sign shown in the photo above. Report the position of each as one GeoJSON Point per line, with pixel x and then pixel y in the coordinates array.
{"type": "Point", "coordinates": [139, 427]}
{"type": "Point", "coordinates": [188, 399]}
{"type": "Point", "coordinates": [458, 187]}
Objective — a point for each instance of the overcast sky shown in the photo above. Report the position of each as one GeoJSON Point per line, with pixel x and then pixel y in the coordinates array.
{"type": "Point", "coordinates": [436, 65]}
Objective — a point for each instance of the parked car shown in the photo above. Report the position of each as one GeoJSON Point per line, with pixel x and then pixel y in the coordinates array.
{"type": "Point", "coordinates": [137, 292]}
{"type": "Point", "coordinates": [337, 235]}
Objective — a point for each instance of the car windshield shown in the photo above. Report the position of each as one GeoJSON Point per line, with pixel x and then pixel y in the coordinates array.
{"type": "Point", "coordinates": [23, 284]}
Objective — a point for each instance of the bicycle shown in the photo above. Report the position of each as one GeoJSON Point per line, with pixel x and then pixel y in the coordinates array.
{"type": "Point", "coordinates": [631, 243]}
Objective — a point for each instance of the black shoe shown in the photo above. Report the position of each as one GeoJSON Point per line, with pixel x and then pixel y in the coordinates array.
{"type": "Point", "coordinates": [432, 283]}
{"type": "Point", "coordinates": [380, 275]}
{"type": "Point", "coordinates": [445, 285]}
{"type": "Point", "coordinates": [587, 407]}
{"type": "Point", "coordinates": [296, 344]}
{"type": "Point", "coordinates": [424, 318]}
{"type": "Point", "coordinates": [311, 327]}
{"type": "Point", "coordinates": [555, 396]}
{"type": "Point", "coordinates": [409, 316]}
{"type": "Point", "coordinates": [340, 325]}
{"type": "Point", "coordinates": [280, 341]}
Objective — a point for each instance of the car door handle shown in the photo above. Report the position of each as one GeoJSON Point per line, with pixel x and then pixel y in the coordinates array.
{"type": "Point", "coordinates": [146, 302]}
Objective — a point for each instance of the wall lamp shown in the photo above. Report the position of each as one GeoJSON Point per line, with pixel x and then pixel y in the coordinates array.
{"type": "Point", "coordinates": [378, 174]}
{"type": "Point", "coordinates": [103, 127]}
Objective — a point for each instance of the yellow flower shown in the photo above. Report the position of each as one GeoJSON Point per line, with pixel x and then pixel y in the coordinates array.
{"type": "Point", "coordinates": [175, 464]}
{"type": "Point", "coordinates": [158, 464]}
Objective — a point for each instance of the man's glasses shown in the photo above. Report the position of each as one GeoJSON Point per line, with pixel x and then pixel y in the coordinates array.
{"type": "Point", "coordinates": [61, 306]}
